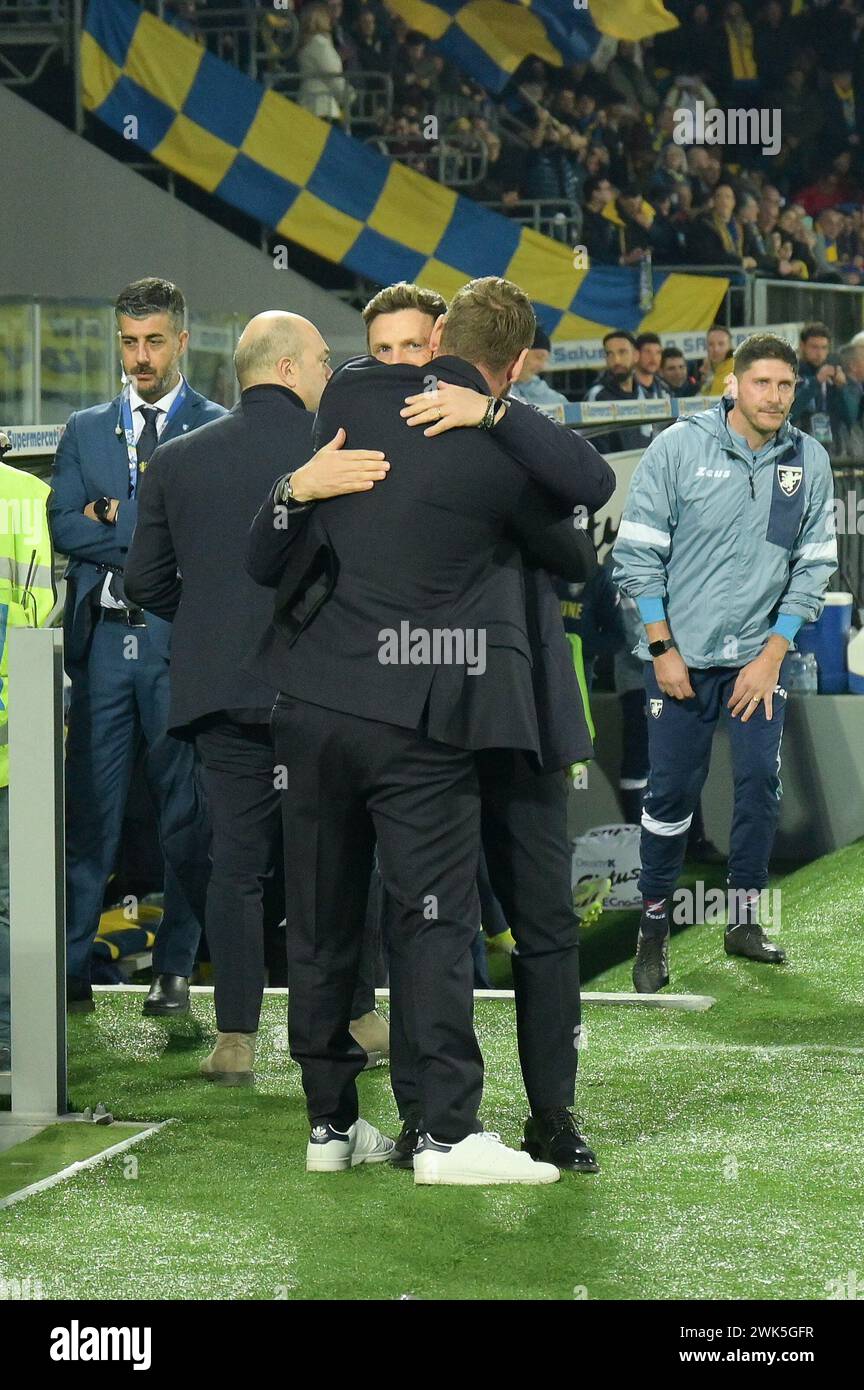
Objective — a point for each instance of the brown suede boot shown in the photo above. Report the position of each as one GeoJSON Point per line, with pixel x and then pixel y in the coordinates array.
{"type": "Point", "coordinates": [232, 1060]}
{"type": "Point", "coordinates": [372, 1032]}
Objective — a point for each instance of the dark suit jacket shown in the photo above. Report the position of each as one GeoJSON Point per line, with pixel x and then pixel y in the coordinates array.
{"type": "Point", "coordinates": [196, 503]}
{"type": "Point", "coordinates": [91, 462]}
{"type": "Point", "coordinates": [433, 547]}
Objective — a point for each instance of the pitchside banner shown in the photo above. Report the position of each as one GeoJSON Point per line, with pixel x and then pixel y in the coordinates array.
{"type": "Point", "coordinates": [32, 439]}
{"type": "Point", "coordinates": [583, 354]}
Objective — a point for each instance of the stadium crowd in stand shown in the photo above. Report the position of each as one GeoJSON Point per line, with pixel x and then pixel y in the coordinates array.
{"type": "Point", "coordinates": [594, 142]}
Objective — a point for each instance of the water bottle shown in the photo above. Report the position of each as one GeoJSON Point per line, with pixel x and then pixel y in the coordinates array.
{"type": "Point", "coordinates": [646, 283]}
{"type": "Point", "coordinates": [801, 673]}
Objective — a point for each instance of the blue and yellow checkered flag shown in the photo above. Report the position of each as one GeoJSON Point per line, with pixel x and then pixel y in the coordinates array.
{"type": "Point", "coordinates": [488, 39]}
{"type": "Point", "coordinates": [317, 186]}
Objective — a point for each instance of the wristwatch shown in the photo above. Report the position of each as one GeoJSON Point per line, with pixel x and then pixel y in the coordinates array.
{"type": "Point", "coordinates": [664, 644]}
{"type": "Point", "coordinates": [285, 492]}
{"type": "Point", "coordinates": [102, 507]}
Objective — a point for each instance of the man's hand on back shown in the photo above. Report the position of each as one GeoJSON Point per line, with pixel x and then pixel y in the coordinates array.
{"type": "Point", "coordinates": [446, 408]}
{"type": "Point", "coordinates": [334, 471]}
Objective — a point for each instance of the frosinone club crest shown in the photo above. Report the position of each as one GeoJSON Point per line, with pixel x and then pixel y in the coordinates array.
{"type": "Point", "coordinates": [789, 478]}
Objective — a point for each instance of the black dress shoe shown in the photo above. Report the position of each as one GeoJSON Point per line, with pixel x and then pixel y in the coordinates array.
{"type": "Point", "coordinates": [750, 940]}
{"type": "Point", "coordinates": [552, 1136]}
{"type": "Point", "coordinates": [403, 1154]}
{"type": "Point", "coordinates": [651, 966]}
{"type": "Point", "coordinates": [169, 994]}
{"type": "Point", "coordinates": [79, 996]}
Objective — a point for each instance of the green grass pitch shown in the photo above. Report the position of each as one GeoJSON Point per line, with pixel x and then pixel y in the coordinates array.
{"type": "Point", "coordinates": [730, 1145]}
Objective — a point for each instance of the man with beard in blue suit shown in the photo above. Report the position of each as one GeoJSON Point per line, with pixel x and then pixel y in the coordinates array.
{"type": "Point", "coordinates": [117, 655]}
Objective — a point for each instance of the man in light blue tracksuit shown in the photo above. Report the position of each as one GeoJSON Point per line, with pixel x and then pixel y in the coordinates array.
{"type": "Point", "coordinates": [727, 544]}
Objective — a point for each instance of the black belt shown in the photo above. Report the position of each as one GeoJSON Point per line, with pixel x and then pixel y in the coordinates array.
{"type": "Point", "coordinates": [132, 617]}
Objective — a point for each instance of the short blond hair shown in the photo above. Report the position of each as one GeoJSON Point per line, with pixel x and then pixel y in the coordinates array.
{"type": "Point", "coordinates": [314, 19]}
{"type": "Point", "coordinates": [490, 321]}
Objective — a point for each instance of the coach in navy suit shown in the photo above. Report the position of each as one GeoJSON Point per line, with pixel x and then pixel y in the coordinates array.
{"type": "Point", "coordinates": [117, 655]}
{"type": "Point", "coordinates": [384, 740]}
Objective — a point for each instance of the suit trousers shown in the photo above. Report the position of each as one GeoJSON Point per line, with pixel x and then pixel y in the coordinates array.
{"type": "Point", "coordinates": [355, 781]}
{"type": "Point", "coordinates": [524, 833]}
{"type": "Point", "coordinates": [244, 801]}
{"type": "Point", "coordinates": [120, 691]}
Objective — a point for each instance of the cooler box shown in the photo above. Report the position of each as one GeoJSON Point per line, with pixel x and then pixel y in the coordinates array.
{"type": "Point", "coordinates": [827, 639]}
{"type": "Point", "coordinates": [855, 657]}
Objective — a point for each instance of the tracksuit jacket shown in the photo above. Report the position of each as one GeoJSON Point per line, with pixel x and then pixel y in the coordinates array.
{"type": "Point", "coordinates": [726, 545]}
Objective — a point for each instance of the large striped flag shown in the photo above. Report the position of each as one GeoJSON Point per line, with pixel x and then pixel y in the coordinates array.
{"type": "Point", "coordinates": [488, 39]}
{"type": "Point", "coordinates": [316, 186]}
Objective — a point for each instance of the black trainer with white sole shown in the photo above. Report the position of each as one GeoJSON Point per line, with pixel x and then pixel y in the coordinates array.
{"type": "Point", "coordinates": [651, 966]}
{"type": "Point", "coordinates": [749, 940]}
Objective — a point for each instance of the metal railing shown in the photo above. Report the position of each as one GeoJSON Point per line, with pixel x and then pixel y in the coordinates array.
{"type": "Point", "coordinates": [452, 106]}
{"type": "Point", "coordinates": [32, 15]}
{"type": "Point", "coordinates": [30, 36]}
{"type": "Point", "coordinates": [355, 101]}
{"type": "Point", "coordinates": [231, 32]}
{"type": "Point", "coordinates": [558, 218]}
{"type": "Point", "coordinates": [841, 307]}
{"type": "Point", "coordinates": [327, 95]}
{"type": "Point", "coordinates": [373, 99]}
{"type": "Point", "coordinates": [448, 163]}
{"type": "Point", "coordinates": [461, 164]}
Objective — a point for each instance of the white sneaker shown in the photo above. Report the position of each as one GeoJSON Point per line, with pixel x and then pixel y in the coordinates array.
{"type": "Point", "coordinates": [479, 1160]}
{"type": "Point", "coordinates": [331, 1151]}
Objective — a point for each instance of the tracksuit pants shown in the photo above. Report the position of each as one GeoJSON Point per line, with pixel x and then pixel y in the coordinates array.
{"type": "Point", "coordinates": [680, 733]}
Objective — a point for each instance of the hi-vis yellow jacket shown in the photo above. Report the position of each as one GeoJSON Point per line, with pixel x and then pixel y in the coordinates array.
{"type": "Point", "coordinates": [26, 574]}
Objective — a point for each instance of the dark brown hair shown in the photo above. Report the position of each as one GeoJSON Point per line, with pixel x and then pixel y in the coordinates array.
{"type": "Point", "coordinates": [761, 345]}
{"type": "Point", "coordinates": [403, 295]}
{"type": "Point", "coordinates": [815, 330]}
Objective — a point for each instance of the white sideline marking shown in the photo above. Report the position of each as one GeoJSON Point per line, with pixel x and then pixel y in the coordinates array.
{"type": "Point", "coordinates": [691, 1002]}
{"type": "Point", "coordinates": [829, 1049]}
{"type": "Point", "coordinates": [72, 1169]}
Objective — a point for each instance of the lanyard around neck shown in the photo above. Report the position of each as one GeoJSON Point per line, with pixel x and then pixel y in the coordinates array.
{"type": "Point", "coordinates": [129, 429]}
